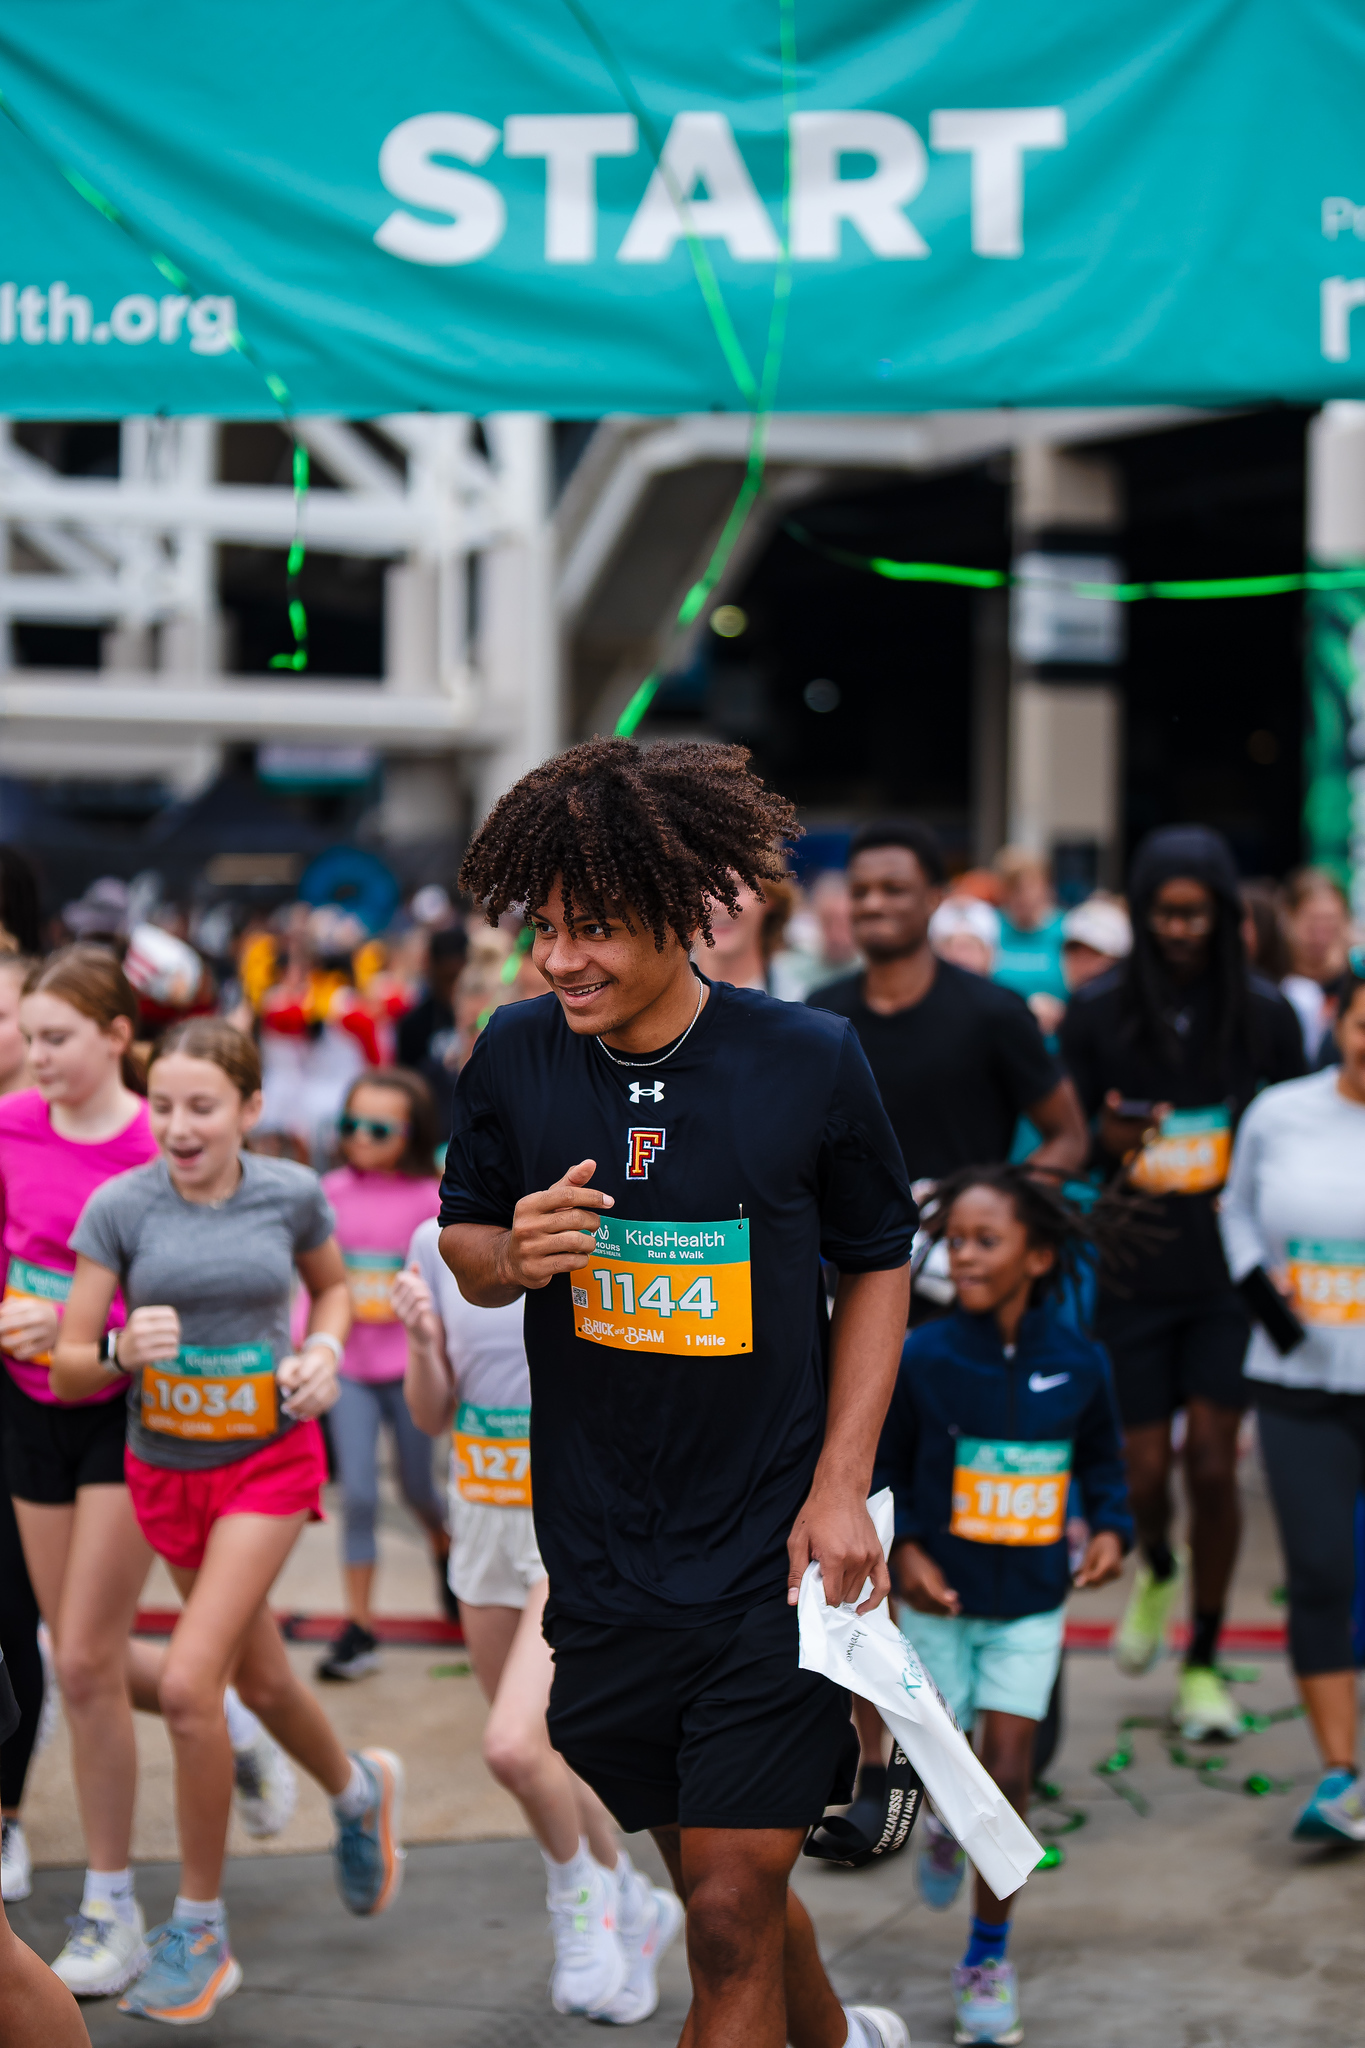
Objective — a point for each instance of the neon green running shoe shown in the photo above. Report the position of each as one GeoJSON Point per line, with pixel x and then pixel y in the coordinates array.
{"type": "Point", "coordinates": [1141, 1635]}
{"type": "Point", "coordinates": [1204, 1707]}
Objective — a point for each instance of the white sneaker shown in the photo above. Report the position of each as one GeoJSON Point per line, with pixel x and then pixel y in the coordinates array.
{"type": "Point", "coordinates": [648, 1919]}
{"type": "Point", "coordinates": [16, 1870]}
{"type": "Point", "coordinates": [878, 2025]}
{"type": "Point", "coordinates": [264, 1785]}
{"type": "Point", "coordinates": [102, 1954]}
{"type": "Point", "coordinates": [590, 1963]}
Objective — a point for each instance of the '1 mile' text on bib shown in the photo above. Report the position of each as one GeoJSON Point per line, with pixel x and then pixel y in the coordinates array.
{"type": "Point", "coordinates": [672, 1287]}
{"type": "Point", "coordinates": [1009, 1493]}
{"type": "Point", "coordinates": [1328, 1278]}
{"type": "Point", "coordinates": [26, 1282]}
{"type": "Point", "coordinates": [370, 1277]}
{"type": "Point", "coordinates": [493, 1456]}
{"type": "Point", "coordinates": [211, 1396]}
{"type": "Point", "coordinates": [1190, 1155]}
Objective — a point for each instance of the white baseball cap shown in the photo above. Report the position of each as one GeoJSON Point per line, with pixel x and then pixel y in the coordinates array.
{"type": "Point", "coordinates": [1101, 923]}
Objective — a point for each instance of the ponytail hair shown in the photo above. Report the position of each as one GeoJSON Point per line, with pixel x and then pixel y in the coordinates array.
{"type": "Point", "coordinates": [221, 1043]}
{"type": "Point", "coordinates": [90, 979]}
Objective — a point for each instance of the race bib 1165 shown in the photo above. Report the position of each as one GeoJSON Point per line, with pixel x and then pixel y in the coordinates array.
{"type": "Point", "coordinates": [679, 1288]}
{"type": "Point", "coordinates": [1010, 1492]}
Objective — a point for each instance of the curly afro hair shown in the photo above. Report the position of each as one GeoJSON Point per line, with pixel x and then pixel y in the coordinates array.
{"type": "Point", "coordinates": [662, 832]}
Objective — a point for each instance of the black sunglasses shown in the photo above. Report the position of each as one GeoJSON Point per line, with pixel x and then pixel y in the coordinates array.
{"type": "Point", "coordinates": [373, 1127]}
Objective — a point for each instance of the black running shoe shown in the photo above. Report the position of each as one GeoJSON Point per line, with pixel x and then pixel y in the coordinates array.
{"type": "Point", "coordinates": [354, 1654]}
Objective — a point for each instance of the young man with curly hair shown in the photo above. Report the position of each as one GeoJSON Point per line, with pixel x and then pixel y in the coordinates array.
{"type": "Point", "coordinates": [658, 1163]}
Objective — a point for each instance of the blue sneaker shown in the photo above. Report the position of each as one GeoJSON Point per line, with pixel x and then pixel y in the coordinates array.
{"type": "Point", "coordinates": [190, 1973]}
{"type": "Point", "coordinates": [367, 1852]}
{"type": "Point", "coordinates": [986, 2005]}
{"type": "Point", "coordinates": [939, 1864]}
{"type": "Point", "coordinates": [1335, 1812]}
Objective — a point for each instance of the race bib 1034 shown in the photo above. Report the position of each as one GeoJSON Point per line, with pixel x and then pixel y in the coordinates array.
{"type": "Point", "coordinates": [213, 1396]}
{"type": "Point", "coordinates": [370, 1277]}
{"type": "Point", "coordinates": [1328, 1278]}
{"type": "Point", "coordinates": [27, 1282]}
{"type": "Point", "coordinates": [1189, 1156]}
{"type": "Point", "coordinates": [493, 1456]}
{"type": "Point", "coordinates": [679, 1288]}
{"type": "Point", "coordinates": [1010, 1493]}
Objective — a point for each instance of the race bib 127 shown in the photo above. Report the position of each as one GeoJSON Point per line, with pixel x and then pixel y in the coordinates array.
{"type": "Point", "coordinates": [1009, 1492]}
{"type": "Point", "coordinates": [493, 1456]}
{"type": "Point", "coordinates": [212, 1396]}
{"type": "Point", "coordinates": [679, 1288]}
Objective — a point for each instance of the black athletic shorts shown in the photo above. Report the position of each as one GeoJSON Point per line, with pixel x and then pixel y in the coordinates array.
{"type": "Point", "coordinates": [712, 1727]}
{"type": "Point", "coordinates": [50, 1451]}
{"type": "Point", "coordinates": [1168, 1352]}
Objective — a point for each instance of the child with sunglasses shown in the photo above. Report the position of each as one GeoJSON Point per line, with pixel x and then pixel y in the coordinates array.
{"type": "Point", "coordinates": [387, 1186]}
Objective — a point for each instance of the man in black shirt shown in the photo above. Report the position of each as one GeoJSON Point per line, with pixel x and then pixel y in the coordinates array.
{"type": "Point", "coordinates": [1167, 1051]}
{"type": "Point", "coordinates": [957, 1059]}
{"type": "Point", "coordinates": [659, 1163]}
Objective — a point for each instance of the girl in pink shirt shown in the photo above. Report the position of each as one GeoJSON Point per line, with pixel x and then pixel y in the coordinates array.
{"type": "Point", "coordinates": [386, 1188]}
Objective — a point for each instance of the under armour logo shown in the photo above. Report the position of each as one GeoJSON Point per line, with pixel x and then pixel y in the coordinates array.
{"type": "Point", "coordinates": [641, 1147]}
{"type": "Point", "coordinates": [653, 1089]}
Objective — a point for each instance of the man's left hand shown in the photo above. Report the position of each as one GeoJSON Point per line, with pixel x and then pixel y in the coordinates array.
{"type": "Point", "coordinates": [836, 1530]}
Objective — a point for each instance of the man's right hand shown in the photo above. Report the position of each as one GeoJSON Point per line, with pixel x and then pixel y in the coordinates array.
{"type": "Point", "coordinates": [554, 1231]}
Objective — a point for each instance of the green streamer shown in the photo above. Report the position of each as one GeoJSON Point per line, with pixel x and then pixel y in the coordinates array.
{"type": "Point", "coordinates": [278, 389]}
{"type": "Point", "coordinates": [1201, 587]}
{"type": "Point", "coordinates": [759, 396]}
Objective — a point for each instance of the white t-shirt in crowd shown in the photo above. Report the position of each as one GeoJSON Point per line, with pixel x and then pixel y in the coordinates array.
{"type": "Point", "coordinates": [1295, 1197]}
{"type": "Point", "coordinates": [484, 1345]}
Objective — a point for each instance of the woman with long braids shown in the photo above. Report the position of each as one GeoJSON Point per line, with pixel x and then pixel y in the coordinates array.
{"type": "Point", "coordinates": [1166, 1052]}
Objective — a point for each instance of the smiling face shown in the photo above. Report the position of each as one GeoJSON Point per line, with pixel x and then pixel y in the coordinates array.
{"type": "Point", "coordinates": [603, 973]}
{"type": "Point", "coordinates": [70, 1056]}
{"type": "Point", "coordinates": [989, 1254]}
{"type": "Point", "coordinates": [891, 901]}
{"type": "Point", "coordinates": [380, 1136]}
{"type": "Point", "coordinates": [199, 1120]}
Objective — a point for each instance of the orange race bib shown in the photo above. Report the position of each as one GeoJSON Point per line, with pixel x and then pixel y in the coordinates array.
{"type": "Point", "coordinates": [1190, 1154]}
{"type": "Point", "coordinates": [1328, 1278]}
{"type": "Point", "coordinates": [679, 1288]}
{"type": "Point", "coordinates": [27, 1282]}
{"type": "Point", "coordinates": [493, 1456]}
{"type": "Point", "coordinates": [210, 1396]}
{"type": "Point", "coordinates": [1010, 1493]}
{"type": "Point", "coordinates": [370, 1277]}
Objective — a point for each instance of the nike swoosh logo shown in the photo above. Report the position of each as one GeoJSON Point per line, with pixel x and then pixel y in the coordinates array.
{"type": "Point", "coordinates": [1038, 1384]}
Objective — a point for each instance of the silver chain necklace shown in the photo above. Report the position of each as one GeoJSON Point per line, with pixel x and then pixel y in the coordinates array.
{"type": "Point", "coordinates": [701, 998]}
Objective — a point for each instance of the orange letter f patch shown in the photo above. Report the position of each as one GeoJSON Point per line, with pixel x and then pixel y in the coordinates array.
{"type": "Point", "coordinates": [641, 1146]}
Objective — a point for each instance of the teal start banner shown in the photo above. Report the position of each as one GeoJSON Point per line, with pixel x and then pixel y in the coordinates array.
{"type": "Point", "coordinates": [584, 206]}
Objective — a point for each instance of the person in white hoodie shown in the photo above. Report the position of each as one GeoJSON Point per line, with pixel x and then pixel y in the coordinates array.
{"type": "Point", "coordinates": [1294, 1207]}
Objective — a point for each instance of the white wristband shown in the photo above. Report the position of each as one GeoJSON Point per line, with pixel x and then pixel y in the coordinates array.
{"type": "Point", "coordinates": [334, 1344]}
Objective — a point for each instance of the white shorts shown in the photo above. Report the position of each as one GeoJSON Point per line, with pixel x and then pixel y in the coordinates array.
{"type": "Point", "coordinates": [494, 1561]}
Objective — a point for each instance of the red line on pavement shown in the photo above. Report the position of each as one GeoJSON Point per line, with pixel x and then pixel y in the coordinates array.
{"type": "Point", "coordinates": [414, 1631]}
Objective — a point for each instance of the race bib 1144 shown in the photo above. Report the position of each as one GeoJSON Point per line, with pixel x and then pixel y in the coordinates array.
{"type": "Point", "coordinates": [1009, 1492]}
{"type": "Point", "coordinates": [209, 1395]}
{"type": "Point", "coordinates": [679, 1288]}
{"type": "Point", "coordinates": [1328, 1279]}
{"type": "Point", "coordinates": [1190, 1154]}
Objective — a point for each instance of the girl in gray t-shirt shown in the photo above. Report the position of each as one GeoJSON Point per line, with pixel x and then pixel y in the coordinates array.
{"type": "Point", "coordinates": [224, 1465]}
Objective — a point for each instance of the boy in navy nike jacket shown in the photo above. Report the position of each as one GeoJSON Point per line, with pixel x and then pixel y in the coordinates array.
{"type": "Point", "coordinates": [996, 1409]}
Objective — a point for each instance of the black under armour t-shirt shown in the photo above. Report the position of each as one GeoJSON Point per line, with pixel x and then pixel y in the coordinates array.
{"type": "Point", "coordinates": [956, 1070]}
{"type": "Point", "coordinates": [678, 1377]}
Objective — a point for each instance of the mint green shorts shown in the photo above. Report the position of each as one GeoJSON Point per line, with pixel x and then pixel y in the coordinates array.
{"type": "Point", "coordinates": [1006, 1667]}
